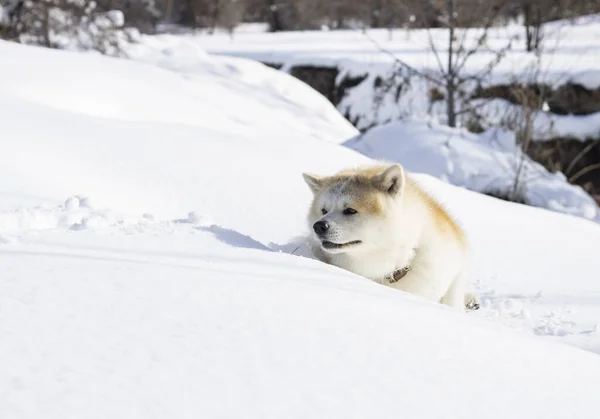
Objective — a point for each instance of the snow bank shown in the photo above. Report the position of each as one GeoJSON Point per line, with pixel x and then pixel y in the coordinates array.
{"type": "Point", "coordinates": [490, 163]}
{"type": "Point", "coordinates": [244, 96]}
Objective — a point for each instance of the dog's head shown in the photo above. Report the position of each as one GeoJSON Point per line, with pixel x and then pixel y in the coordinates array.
{"type": "Point", "coordinates": [351, 210]}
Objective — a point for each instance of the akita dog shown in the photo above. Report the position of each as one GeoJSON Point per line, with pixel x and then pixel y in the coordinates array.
{"type": "Point", "coordinates": [378, 223]}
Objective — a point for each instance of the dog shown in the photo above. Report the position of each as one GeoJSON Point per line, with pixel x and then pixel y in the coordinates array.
{"type": "Point", "coordinates": [377, 222]}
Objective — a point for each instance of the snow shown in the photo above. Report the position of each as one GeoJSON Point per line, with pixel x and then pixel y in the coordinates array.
{"type": "Point", "coordinates": [151, 267]}
{"type": "Point", "coordinates": [545, 125]}
{"type": "Point", "coordinates": [566, 43]}
{"type": "Point", "coordinates": [565, 59]}
{"type": "Point", "coordinates": [229, 332]}
{"type": "Point", "coordinates": [110, 19]}
{"type": "Point", "coordinates": [196, 125]}
{"type": "Point", "coordinates": [197, 77]}
{"type": "Point", "coordinates": [490, 162]}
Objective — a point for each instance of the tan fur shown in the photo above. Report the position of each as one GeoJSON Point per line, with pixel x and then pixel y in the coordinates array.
{"type": "Point", "coordinates": [445, 223]}
{"type": "Point", "coordinates": [394, 228]}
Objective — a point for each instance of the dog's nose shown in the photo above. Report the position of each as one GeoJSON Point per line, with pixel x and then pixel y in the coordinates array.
{"type": "Point", "coordinates": [321, 227]}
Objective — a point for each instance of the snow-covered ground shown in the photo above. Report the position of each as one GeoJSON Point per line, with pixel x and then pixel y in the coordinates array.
{"type": "Point", "coordinates": [149, 265]}
{"type": "Point", "coordinates": [569, 55]}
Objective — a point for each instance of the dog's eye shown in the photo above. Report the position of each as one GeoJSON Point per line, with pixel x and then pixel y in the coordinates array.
{"type": "Point", "coordinates": [349, 211]}
{"type": "Point", "coordinates": [323, 211]}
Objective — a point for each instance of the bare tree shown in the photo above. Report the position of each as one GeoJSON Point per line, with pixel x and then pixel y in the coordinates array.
{"type": "Point", "coordinates": [453, 80]}
{"type": "Point", "coordinates": [521, 114]}
{"type": "Point", "coordinates": [462, 44]}
{"type": "Point", "coordinates": [534, 13]}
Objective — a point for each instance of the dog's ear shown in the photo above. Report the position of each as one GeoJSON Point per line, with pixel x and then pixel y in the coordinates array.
{"type": "Point", "coordinates": [314, 182]}
{"type": "Point", "coordinates": [392, 180]}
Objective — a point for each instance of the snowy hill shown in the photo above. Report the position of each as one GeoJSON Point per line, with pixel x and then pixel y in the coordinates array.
{"type": "Point", "coordinates": [148, 213]}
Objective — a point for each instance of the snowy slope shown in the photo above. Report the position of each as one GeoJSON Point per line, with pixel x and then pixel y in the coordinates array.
{"type": "Point", "coordinates": [120, 303]}
{"type": "Point", "coordinates": [272, 102]}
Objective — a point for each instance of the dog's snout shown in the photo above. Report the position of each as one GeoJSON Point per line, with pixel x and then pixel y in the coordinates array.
{"type": "Point", "coordinates": [321, 227]}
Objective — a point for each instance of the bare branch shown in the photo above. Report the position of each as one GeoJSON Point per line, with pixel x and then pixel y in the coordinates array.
{"type": "Point", "coordinates": [436, 54]}
{"type": "Point", "coordinates": [481, 40]}
{"type": "Point", "coordinates": [402, 63]}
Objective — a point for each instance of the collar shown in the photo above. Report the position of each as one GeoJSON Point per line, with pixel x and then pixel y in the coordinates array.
{"type": "Point", "coordinates": [398, 274]}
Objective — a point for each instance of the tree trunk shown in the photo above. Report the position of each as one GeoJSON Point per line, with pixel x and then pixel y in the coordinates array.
{"type": "Point", "coordinates": [376, 16]}
{"type": "Point", "coordinates": [215, 14]}
{"type": "Point", "coordinates": [527, 26]}
{"type": "Point", "coordinates": [46, 26]}
{"type": "Point", "coordinates": [537, 28]}
{"type": "Point", "coordinates": [451, 71]}
{"type": "Point", "coordinates": [275, 23]}
{"type": "Point", "coordinates": [169, 11]}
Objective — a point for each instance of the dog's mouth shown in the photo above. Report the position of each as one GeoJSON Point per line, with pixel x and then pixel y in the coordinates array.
{"type": "Point", "coordinates": [331, 245]}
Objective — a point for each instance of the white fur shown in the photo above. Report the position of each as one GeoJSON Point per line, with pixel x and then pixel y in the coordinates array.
{"type": "Point", "coordinates": [408, 233]}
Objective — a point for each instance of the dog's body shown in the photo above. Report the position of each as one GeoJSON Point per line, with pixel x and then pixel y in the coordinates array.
{"type": "Point", "coordinates": [377, 222]}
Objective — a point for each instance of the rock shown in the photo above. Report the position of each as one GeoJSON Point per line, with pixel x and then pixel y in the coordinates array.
{"type": "Point", "coordinates": [532, 95]}
{"type": "Point", "coordinates": [322, 79]}
{"type": "Point", "coordinates": [572, 157]}
{"type": "Point", "coordinates": [568, 99]}
{"type": "Point", "coordinates": [574, 99]}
